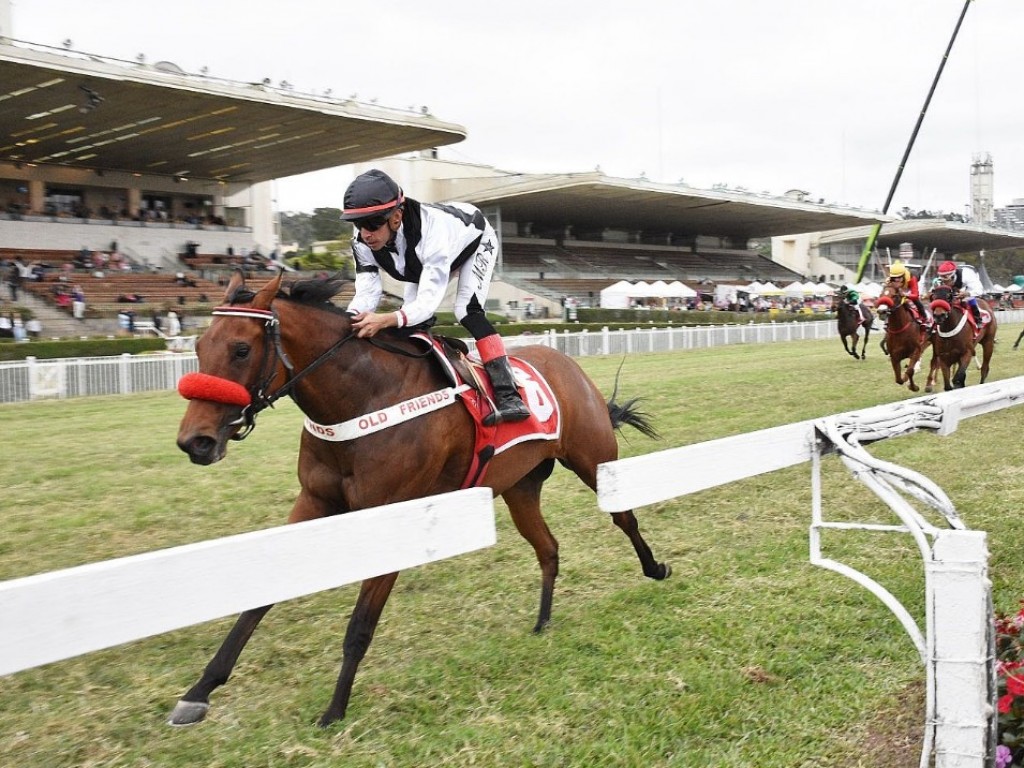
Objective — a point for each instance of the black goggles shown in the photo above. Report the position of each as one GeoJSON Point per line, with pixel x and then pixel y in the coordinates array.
{"type": "Point", "coordinates": [371, 223]}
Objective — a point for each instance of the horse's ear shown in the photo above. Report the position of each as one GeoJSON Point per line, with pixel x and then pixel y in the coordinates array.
{"type": "Point", "coordinates": [236, 283]}
{"type": "Point", "coordinates": [268, 292]}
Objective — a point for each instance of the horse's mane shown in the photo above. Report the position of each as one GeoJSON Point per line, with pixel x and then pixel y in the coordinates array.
{"type": "Point", "coordinates": [314, 292]}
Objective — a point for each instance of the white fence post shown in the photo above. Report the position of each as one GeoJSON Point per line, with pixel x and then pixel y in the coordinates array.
{"type": "Point", "coordinates": [964, 674]}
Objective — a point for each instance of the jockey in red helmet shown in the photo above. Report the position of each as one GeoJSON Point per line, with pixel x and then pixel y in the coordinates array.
{"type": "Point", "coordinates": [965, 283]}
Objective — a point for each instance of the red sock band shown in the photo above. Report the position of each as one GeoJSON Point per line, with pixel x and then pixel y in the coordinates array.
{"type": "Point", "coordinates": [490, 347]}
{"type": "Point", "coordinates": [203, 386]}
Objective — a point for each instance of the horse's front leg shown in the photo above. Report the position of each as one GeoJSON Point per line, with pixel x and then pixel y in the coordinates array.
{"type": "Point", "coordinates": [864, 346]}
{"type": "Point", "coordinates": [933, 371]}
{"type": "Point", "coordinates": [897, 368]}
{"type": "Point", "coordinates": [192, 707]}
{"type": "Point", "coordinates": [372, 597]}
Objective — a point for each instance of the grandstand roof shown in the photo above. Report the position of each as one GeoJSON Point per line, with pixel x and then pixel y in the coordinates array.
{"type": "Point", "coordinates": [948, 237]}
{"type": "Point", "coordinates": [86, 111]}
{"type": "Point", "coordinates": [595, 200]}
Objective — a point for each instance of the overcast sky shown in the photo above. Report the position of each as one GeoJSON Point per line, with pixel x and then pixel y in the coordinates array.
{"type": "Point", "coordinates": [819, 95]}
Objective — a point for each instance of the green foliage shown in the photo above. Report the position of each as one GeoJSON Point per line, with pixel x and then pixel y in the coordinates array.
{"type": "Point", "coordinates": [327, 224]}
{"type": "Point", "coordinates": [297, 228]}
{"type": "Point", "coordinates": [45, 350]}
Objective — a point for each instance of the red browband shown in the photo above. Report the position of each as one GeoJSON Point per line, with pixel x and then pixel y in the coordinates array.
{"type": "Point", "coordinates": [203, 386]}
{"type": "Point", "coordinates": [940, 304]}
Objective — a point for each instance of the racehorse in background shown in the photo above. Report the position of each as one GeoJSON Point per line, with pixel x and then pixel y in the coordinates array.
{"type": "Point", "coordinates": [295, 342]}
{"type": "Point", "coordinates": [956, 339]}
{"type": "Point", "coordinates": [851, 318]}
{"type": "Point", "coordinates": [905, 335]}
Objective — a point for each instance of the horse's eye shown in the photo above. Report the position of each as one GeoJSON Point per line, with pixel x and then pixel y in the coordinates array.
{"type": "Point", "coordinates": [242, 351]}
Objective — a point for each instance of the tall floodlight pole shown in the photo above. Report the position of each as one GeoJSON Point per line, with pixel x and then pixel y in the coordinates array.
{"type": "Point", "coordinates": [865, 255]}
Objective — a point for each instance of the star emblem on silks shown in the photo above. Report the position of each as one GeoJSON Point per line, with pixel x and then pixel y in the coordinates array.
{"type": "Point", "coordinates": [488, 246]}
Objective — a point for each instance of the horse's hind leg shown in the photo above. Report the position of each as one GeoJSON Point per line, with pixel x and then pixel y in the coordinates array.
{"type": "Point", "coordinates": [523, 501]}
{"type": "Point", "coordinates": [192, 707]}
{"type": "Point", "coordinates": [627, 523]}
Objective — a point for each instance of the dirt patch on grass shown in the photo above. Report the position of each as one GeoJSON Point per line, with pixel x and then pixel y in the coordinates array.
{"type": "Point", "coordinates": [894, 737]}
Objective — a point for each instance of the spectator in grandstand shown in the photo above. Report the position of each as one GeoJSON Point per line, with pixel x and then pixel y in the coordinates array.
{"type": "Point", "coordinates": [6, 326]}
{"type": "Point", "coordinates": [20, 334]}
{"type": "Point", "coordinates": [34, 327]}
{"type": "Point", "coordinates": [173, 324]}
{"type": "Point", "coordinates": [13, 280]}
{"type": "Point", "coordinates": [78, 302]}
{"type": "Point", "coordinates": [426, 246]}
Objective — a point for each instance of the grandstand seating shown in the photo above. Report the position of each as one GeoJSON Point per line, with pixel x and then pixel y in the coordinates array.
{"type": "Point", "coordinates": [106, 291]}
{"type": "Point", "coordinates": [580, 269]}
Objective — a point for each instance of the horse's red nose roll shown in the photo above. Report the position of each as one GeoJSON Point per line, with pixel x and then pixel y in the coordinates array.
{"type": "Point", "coordinates": [203, 386]}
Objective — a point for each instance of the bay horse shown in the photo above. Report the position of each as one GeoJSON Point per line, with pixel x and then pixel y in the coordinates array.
{"type": "Point", "coordinates": [850, 321]}
{"type": "Point", "coordinates": [956, 339]}
{"type": "Point", "coordinates": [905, 334]}
{"type": "Point", "coordinates": [293, 341]}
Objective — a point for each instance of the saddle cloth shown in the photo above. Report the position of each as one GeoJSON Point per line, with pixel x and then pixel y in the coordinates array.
{"type": "Point", "coordinates": [544, 423]}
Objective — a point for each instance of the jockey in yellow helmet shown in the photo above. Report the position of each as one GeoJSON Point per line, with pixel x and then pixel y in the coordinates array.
{"type": "Point", "coordinates": [903, 279]}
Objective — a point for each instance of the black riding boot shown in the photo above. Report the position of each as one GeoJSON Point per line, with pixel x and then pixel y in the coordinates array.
{"type": "Point", "coordinates": [509, 403]}
{"type": "Point", "coordinates": [976, 311]}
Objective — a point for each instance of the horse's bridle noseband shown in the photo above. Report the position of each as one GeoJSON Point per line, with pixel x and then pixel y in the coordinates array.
{"type": "Point", "coordinates": [273, 352]}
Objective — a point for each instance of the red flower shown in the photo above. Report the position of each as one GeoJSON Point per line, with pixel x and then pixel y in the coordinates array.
{"type": "Point", "coordinates": [1005, 703]}
{"type": "Point", "coordinates": [1015, 685]}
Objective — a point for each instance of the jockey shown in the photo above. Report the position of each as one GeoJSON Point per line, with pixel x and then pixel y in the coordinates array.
{"type": "Point", "coordinates": [965, 284]}
{"type": "Point", "coordinates": [903, 279]}
{"type": "Point", "coordinates": [425, 245]}
{"type": "Point", "coordinates": [851, 297]}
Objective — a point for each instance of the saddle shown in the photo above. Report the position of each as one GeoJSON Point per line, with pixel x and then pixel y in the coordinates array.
{"type": "Point", "coordinates": [466, 372]}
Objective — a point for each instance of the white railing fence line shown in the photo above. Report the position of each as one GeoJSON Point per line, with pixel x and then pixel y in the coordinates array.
{"type": "Point", "coordinates": [956, 642]}
{"type": "Point", "coordinates": [79, 377]}
{"type": "Point", "coordinates": [57, 615]}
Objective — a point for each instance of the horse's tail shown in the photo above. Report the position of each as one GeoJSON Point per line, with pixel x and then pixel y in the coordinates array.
{"type": "Point", "coordinates": [626, 413]}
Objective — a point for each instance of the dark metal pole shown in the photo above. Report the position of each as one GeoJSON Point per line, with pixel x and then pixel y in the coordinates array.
{"type": "Point", "coordinates": [910, 145]}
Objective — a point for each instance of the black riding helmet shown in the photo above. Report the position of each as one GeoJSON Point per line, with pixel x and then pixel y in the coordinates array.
{"type": "Point", "coordinates": [371, 194]}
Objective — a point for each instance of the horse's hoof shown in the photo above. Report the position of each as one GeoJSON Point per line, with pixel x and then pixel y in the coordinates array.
{"type": "Point", "coordinates": [188, 713]}
{"type": "Point", "coordinates": [666, 571]}
{"type": "Point", "coordinates": [326, 721]}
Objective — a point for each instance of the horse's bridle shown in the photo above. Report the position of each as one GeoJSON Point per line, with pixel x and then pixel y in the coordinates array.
{"type": "Point", "coordinates": [259, 396]}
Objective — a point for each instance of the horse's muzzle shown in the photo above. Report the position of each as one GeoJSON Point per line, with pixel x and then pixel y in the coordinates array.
{"type": "Point", "coordinates": [202, 449]}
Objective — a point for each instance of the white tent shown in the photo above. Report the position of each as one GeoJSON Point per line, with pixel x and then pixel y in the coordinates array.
{"type": "Point", "coordinates": [616, 296]}
{"type": "Point", "coordinates": [754, 288]}
{"type": "Point", "coordinates": [868, 290]}
{"type": "Point", "coordinates": [680, 290]}
{"type": "Point", "coordinates": [796, 288]}
{"type": "Point", "coordinates": [997, 288]}
{"type": "Point", "coordinates": [771, 289]}
{"type": "Point", "coordinates": [620, 295]}
{"type": "Point", "coordinates": [1014, 288]}
{"type": "Point", "coordinates": [823, 289]}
